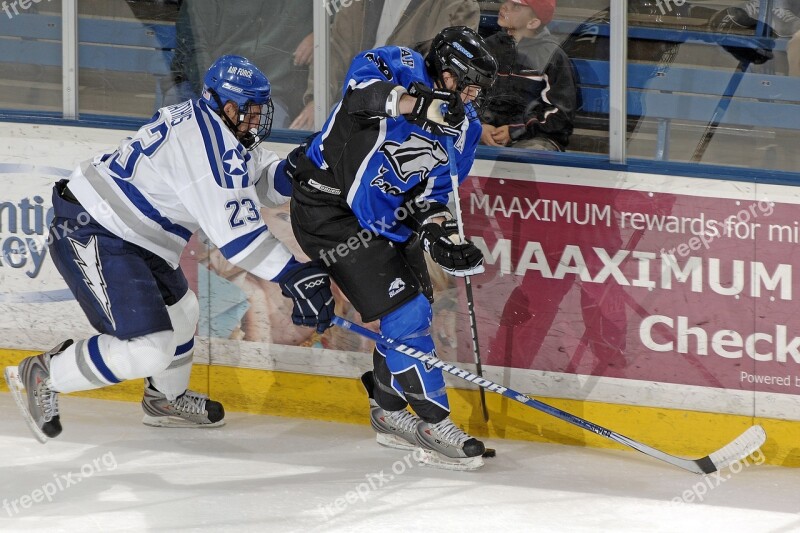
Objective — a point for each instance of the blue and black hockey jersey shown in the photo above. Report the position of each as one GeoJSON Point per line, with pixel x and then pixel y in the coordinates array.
{"type": "Point", "coordinates": [379, 160]}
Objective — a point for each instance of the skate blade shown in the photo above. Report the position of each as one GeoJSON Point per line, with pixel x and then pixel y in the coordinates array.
{"type": "Point", "coordinates": [393, 441]}
{"type": "Point", "coordinates": [17, 389]}
{"type": "Point", "coordinates": [437, 460]}
{"type": "Point", "coordinates": [177, 422]}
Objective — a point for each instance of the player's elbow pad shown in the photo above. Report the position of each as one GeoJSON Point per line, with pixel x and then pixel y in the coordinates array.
{"type": "Point", "coordinates": [379, 99]}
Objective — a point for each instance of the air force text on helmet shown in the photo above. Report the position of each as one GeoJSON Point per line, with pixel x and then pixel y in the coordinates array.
{"type": "Point", "coordinates": [239, 71]}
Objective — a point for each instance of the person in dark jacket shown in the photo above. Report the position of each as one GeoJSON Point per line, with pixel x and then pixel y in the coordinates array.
{"type": "Point", "coordinates": [276, 35]}
{"type": "Point", "coordinates": [532, 104]}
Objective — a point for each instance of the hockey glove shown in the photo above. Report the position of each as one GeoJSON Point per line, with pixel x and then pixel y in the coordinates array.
{"type": "Point", "coordinates": [459, 260]}
{"type": "Point", "coordinates": [427, 113]}
{"type": "Point", "coordinates": [293, 156]}
{"type": "Point", "coordinates": [309, 287]}
{"type": "Point", "coordinates": [286, 171]}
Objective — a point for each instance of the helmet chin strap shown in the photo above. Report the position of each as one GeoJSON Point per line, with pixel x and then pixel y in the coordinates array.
{"type": "Point", "coordinates": [225, 118]}
{"type": "Point", "coordinates": [249, 139]}
{"type": "Point", "coordinates": [461, 84]}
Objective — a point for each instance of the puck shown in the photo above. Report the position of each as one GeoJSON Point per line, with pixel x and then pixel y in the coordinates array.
{"type": "Point", "coordinates": [490, 452]}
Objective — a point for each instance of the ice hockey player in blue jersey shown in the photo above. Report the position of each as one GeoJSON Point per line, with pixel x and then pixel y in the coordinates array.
{"type": "Point", "coordinates": [370, 193]}
{"type": "Point", "coordinates": [121, 222]}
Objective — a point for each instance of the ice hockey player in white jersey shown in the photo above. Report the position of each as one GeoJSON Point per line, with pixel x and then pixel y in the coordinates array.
{"type": "Point", "coordinates": [123, 219]}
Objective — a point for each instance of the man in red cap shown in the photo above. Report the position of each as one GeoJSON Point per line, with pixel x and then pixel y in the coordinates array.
{"type": "Point", "coordinates": [532, 103]}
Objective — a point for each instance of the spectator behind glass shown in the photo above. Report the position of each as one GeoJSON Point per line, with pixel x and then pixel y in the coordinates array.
{"type": "Point", "coordinates": [783, 20]}
{"type": "Point", "coordinates": [369, 24]}
{"type": "Point", "coordinates": [532, 104]}
{"type": "Point", "coordinates": [276, 35]}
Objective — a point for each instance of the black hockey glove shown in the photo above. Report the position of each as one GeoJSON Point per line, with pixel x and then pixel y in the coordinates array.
{"type": "Point", "coordinates": [286, 171]}
{"type": "Point", "coordinates": [291, 160]}
{"type": "Point", "coordinates": [456, 259]}
{"type": "Point", "coordinates": [294, 155]}
{"type": "Point", "coordinates": [309, 287]}
{"type": "Point", "coordinates": [427, 113]}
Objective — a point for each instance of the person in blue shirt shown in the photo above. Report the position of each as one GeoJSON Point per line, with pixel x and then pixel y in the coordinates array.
{"type": "Point", "coordinates": [370, 193]}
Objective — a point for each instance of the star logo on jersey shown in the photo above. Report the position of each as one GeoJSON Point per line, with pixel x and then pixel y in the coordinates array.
{"type": "Point", "coordinates": [234, 163]}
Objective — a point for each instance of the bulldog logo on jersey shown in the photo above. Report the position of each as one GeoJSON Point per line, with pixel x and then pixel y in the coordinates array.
{"type": "Point", "coordinates": [396, 287]}
{"type": "Point", "coordinates": [418, 155]}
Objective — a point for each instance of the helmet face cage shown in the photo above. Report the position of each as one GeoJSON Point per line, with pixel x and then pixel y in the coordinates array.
{"type": "Point", "coordinates": [235, 79]}
{"type": "Point", "coordinates": [247, 112]}
{"type": "Point", "coordinates": [462, 52]}
{"type": "Point", "coordinates": [465, 76]}
{"type": "Point", "coordinates": [262, 120]}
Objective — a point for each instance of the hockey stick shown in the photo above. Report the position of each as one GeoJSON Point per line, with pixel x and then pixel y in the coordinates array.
{"type": "Point", "coordinates": [741, 447]}
{"type": "Point", "coordinates": [720, 110]}
{"type": "Point", "coordinates": [733, 84]}
{"type": "Point", "coordinates": [473, 320]}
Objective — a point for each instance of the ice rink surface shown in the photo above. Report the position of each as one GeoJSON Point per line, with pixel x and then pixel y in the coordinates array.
{"type": "Point", "coordinates": [108, 472]}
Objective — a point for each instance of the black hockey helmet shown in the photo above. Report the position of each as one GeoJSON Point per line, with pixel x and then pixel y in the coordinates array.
{"type": "Point", "coordinates": [461, 51]}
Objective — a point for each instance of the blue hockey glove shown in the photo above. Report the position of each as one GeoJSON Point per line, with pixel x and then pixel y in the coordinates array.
{"type": "Point", "coordinates": [309, 287]}
{"type": "Point", "coordinates": [458, 260]}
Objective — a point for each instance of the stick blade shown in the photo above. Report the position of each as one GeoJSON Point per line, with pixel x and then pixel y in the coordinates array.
{"type": "Point", "coordinates": [741, 447]}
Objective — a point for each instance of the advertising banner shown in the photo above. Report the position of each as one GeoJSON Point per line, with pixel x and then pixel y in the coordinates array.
{"type": "Point", "coordinates": [619, 287]}
{"type": "Point", "coordinates": [607, 281]}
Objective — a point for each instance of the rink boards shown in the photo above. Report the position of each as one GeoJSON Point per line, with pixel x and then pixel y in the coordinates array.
{"type": "Point", "coordinates": [659, 306]}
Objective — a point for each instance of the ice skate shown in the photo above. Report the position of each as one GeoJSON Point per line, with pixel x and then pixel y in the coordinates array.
{"type": "Point", "coordinates": [189, 410]}
{"type": "Point", "coordinates": [395, 429]}
{"type": "Point", "coordinates": [445, 445]}
{"type": "Point", "coordinates": [39, 402]}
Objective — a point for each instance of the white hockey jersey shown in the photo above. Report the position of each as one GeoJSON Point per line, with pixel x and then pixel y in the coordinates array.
{"type": "Point", "coordinates": [185, 171]}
